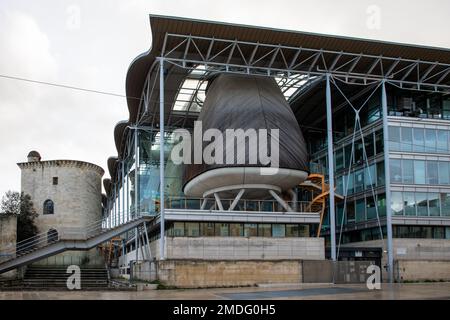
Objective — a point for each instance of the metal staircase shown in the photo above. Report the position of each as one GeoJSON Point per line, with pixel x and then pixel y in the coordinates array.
{"type": "Point", "coordinates": [44, 245]}
{"type": "Point", "coordinates": [320, 191]}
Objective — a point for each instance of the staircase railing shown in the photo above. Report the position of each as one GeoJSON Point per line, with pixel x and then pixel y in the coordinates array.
{"type": "Point", "coordinates": [44, 239]}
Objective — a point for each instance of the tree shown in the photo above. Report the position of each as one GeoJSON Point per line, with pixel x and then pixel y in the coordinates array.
{"type": "Point", "coordinates": [20, 204]}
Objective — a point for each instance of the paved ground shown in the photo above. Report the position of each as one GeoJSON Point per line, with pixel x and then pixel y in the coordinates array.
{"type": "Point", "coordinates": [303, 292]}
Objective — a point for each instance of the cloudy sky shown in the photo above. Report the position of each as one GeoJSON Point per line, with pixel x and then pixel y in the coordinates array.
{"type": "Point", "coordinates": [91, 43]}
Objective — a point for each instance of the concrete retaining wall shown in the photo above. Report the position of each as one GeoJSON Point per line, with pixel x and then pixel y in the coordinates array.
{"type": "Point", "coordinates": [213, 273]}
{"type": "Point", "coordinates": [426, 270]}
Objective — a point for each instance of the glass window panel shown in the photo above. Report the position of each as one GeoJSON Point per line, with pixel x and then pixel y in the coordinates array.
{"type": "Point", "coordinates": [369, 144]}
{"type": "Point", "coordinates": [379, 143]}
{"type": "Point", "coordinates": [359, 180]}
{"type": "Point", "coordinates": [422, 203]}
{"type": "Point", "coordinates": [394, 138]}
{"type": "Point", "coordinates": [350, 211]}
{"type": "Point", "coordinates": [370, 208]}
{"type": "Point", "coordinates": [444, 174]}
{"type": "Point", "coordinates": [236, 229]}
{"type": "Point", "coordinates": [370, 176]}
{"type": "Point", "coordinates": [396, 171]}
{"type": "Point", "coordinates": [222, 229]}
{"type": "Point", "coordinates": [409, 203]}
{"type": "Point", "coordinates": [407, 139]}
{"type": "Point", "coordinates": [442, 141]}
{"type": "Point", "coordinates": [264, 230]}
{"type": "Point", "coordinates": [408, 171]}
{"type": "Point", "coordinates": [303, 230]}
{"type": "Point", "coordinates": [360, 210]}
{"type": "Point", "coordinates": [192, 229]}
{"type": "Point", "coordinates": [278, 230]}
{"type": "Point", "coordinates": [445, 204]}
{"type": "Point", "coordinates": [380, 174]}
{"type": "Point", "coordinates": [419, 172]}
{"type": "Point", "coordinates": [207, 229]}
{"type": "Point", "coordinates": [250, 230]}
{"type": "Point", "coordinates": [418, 139]}
{"type": "Point", "coordinates": [432, 172]}
{"type": "Point", "coordinates": [397, 203]}
{"type": "Point", "coordinates": [433, 204]}
{"type": "Point", "coordinates": [292, 230]}
{"type": "Point", "coordinates": [430, 140]}
{"type": "Point", "coordinates": [381, 203]}
{"type": "Point", "coordinates": [339, 159]}
{"type": "Point", "coordinates": [178, 229]}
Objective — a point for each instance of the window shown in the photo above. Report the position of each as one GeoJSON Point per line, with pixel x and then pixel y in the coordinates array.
{"type": "Point", "coordinates": [292, 230]}
{"type": "Point", "coordinates": [444, 174]}
{"type": "Point", "coordinates": [422, 203]}
{"type": "Point", "coordinates": [407, 139]}
{"type": "Point", "coordinates": [396, 171]}
{"type": "Point", "coordinates": [278, 230]}
{"type": "Point", "coordinates": [409, 203]}
{"type": "Point", "coordinates": [379, 143]}
{"type": "Point", "coordinates": [350, 211]}
{"type": "Point", "coordinates": [359, 180]}
{"type": "Point", "coordinates": [236, 229]}
{"type": "Point", "coordinates": [360, 210]}
{"type": "Point", "coordinates": [394, 138]}
{"type": "Point", "coordinates": [408, 171]}
{"type": "Point", "coordinates": [370, 208]}
{"type": "Point", "coordinates": [178, 229]}
{"type": "Point", "coordinates": [264, 230]}
{"type": "Point", "coordinates": [397, 203]}
{"type": "Point", "coordinates": [370, 177]}
{"type": "Point", "coordinates": [442, 141]}
{"type": "Point", "coordinates": [250, 230]}
{"type": "Point", "coordinates": [192, 229]}
{"type": "Point", "coordinates": [433, 204]}
{"type": "Point", "coordinates": [445, 203]}
{"type": "Point", "coordinates": [432, 172]}
{"type": "Point", "coordinates": [430, 140]}
{"type": "Point", "coordinates": [207, 229]}
{"type": "Point", "coordinates": [49, 207]}
{"type": "Point", "coordinates": [222, 229]}
{"type": "Point", "coordinates": [419, 172]}
{"type": "Point", "coordinates": [419, 141]}
{"type": "Point", "coordinates": [380, 174]}
{"type": "Point", "coordinates": [55, 181]}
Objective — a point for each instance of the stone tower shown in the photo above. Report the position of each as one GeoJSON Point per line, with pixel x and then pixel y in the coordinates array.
{"type": "Point", "coordinates": [65, 193]}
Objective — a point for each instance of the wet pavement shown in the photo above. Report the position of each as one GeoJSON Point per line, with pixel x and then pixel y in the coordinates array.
{"type": "Point", "coordinates": [300, 292]}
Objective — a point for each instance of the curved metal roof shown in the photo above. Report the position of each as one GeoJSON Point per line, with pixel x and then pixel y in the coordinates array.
{"type": "Point", "coordinates": [163, 25]}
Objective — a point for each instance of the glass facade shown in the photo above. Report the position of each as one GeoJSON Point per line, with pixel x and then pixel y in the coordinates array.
{"type": "Point", "coordinates": [217, 229]}
{"type": "Point", "coordinates": [418, 172]}
{"type": "Point", "coordinates": [420, 204]}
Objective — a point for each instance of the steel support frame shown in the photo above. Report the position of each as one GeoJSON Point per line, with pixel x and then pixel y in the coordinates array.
{"type": "Point", "coordinates": [330, 149]}
{"type": "Point", "coordinates": [161, 160]}
{"type": "Point", "coordinates": [390, 264]}
{"type": "Point", "coordinates": [427, 75]}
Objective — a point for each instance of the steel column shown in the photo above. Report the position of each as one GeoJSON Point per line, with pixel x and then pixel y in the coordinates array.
{"type": "Point", "coordinates": [390, 264]}
{"type": "Point", "coordinates": [161, 158]}
{"type": "Point", "coordinates": [136, 172]}
{"type": "Point", "coordinates": [331, 168]}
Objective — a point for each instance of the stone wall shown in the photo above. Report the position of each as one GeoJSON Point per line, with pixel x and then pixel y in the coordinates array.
{"type": "Point", "coordinates": [8, 238]}
{"type": "Point", "coordinates": [423, 270]}
{"type": "Point", "coordinates": [76, 197]}
{"type": "Point", "coordinates": [225, 273]}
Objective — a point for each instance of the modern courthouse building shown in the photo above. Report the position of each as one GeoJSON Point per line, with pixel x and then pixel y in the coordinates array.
{"type": "Point", "coordinates": [364, 157]}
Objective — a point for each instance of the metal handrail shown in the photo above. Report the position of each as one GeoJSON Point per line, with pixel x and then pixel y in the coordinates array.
{"type": "Point", "coordinates": [42, 239]}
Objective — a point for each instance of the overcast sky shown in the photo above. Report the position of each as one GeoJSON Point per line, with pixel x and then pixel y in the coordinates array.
{"type": "Point", "coordinates": [90, 44]}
